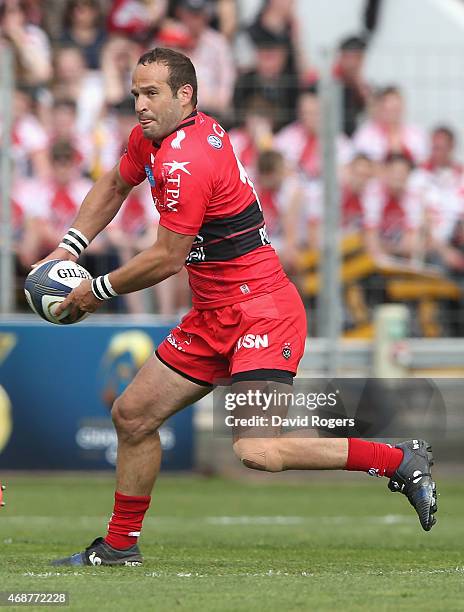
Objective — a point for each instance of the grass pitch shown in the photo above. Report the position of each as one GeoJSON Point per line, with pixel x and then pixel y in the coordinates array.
{"type": "Point", "coordinates": [218, 545]}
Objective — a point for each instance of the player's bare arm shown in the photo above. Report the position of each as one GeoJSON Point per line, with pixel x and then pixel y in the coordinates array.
{"type": "Point", "coordinates": [98, 208]}
{"type": "Point", "coordinates": [165, 258]}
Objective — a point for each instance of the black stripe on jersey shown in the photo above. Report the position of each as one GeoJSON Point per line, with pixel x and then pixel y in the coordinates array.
{"type": "Point", "coordinates": [229, 248]}
{"type": "Point", "coordinates": [249, 218]}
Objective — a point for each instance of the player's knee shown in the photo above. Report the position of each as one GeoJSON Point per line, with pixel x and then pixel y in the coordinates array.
{"type": "Point", "coordinates": [259, 454]}
{"type": "Point", "coordinates": [131, 420]}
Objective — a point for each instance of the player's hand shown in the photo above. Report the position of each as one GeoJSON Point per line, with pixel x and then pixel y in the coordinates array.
{"type": "Point", "coordinates": [58, 253]}
{"type": "Point", "coordinates": [80, 299]}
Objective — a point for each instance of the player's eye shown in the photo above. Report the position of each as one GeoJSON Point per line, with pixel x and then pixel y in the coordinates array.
{"type": "Point", "coordinates": [152, 93]}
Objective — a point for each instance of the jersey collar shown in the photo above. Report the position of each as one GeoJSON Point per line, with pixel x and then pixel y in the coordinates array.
{"type": "Point", "coordinates": [189, 120]}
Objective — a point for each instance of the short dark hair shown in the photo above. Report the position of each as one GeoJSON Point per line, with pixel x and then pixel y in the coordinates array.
{"type": "Point", "coordinates": [388, 90]}
{"type": "Point", "coordinates": [71, 6]}
{"type": "Point", "coordinates": [361, 157]}
{"type": "Point", "coordinates": [393, 158]}
{"type": "Point", "coordinates": [181, 69]}
{"type": "Point", "coordinates": [65, 103]}
{"type": "Point", "coordinates": [62, 150]}
{"type": "Point", "coordinates": [352, 43]}
{"type": "Point", "coordinates": [269, 161]}
{"type": "Point", "coordinates": [445, 130]}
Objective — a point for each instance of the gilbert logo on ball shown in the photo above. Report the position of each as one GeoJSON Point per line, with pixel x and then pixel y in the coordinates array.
{"type": "Point", "coordinates": [49, 283]}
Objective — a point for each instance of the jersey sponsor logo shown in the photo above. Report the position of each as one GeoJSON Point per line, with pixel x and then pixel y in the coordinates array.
{"type": "Point", "coordinates": [249, 341]}
{"type": "Point", "coordinates": [263, 235]}
{"type": "Point", "coordinates": [172, 192]}
{"type": "Point", "coordinates": [196, 255]}
{"type": "Point", "coordinates": [172, 186]}
{"type": "Point", "coordinates": [150, 177]}
{"type": "Point", "coordinates": [176, 142]}
{"type": "Point", "coordinates": [245, 289]}
{"type": "Point", "coordinates": [214, 141]}
{"type": "Point", "coordinates": [175, 165]}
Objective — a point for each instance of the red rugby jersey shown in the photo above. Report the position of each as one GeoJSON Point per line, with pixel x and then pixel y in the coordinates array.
{"type": "Point", "coordinates": [201, 189]}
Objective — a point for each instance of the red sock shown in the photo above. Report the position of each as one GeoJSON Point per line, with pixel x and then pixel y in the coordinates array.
{"type": "Point", "coordinates": [126, 522]}
{"type": "Point", "coordinates": [374, 458]}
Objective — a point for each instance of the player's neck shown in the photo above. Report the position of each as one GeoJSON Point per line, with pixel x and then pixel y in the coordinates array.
{"type": "Point", "coordinates": [187, 112]}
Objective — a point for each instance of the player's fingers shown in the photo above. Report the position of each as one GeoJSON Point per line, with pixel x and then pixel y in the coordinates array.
{"type": "Point", "coordinates": [63, 305]}
{"type": "Point", "coordinates": [74, 312]}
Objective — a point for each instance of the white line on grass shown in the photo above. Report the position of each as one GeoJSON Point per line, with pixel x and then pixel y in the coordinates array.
{"type": "Point", "coordinates": [269, 573]}
{"type": "Point", "coordinates": [387, 519]}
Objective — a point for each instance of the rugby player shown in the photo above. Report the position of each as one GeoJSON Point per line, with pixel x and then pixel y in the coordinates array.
{"type": "Point", "coordinates": [211, 221]}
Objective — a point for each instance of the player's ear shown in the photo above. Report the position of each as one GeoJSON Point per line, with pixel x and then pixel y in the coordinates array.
{"type": "Point", "coordinates": [185, 94]}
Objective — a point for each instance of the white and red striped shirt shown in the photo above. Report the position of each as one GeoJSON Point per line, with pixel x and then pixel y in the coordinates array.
{"type": "Point", "coordinates": [303, 151]}
{"type": "Point", "coordinates": [372, 139]}
{"type": "Point", "coordinates": [393, 214]}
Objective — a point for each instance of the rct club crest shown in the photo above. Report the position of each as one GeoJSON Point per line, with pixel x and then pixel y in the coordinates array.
{"type": "Point", "coordinates": [286, 351]}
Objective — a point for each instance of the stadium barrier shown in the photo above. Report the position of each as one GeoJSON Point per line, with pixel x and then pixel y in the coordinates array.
{"type": "Point", "coordinates": [57, 386]}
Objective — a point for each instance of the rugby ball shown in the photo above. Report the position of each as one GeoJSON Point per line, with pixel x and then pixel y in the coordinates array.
{"type": "Point", "coordinates": [49, 283]}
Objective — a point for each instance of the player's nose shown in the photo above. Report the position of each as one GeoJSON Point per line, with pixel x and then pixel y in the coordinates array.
{"type": "Point", "coordinates": [141, 104]}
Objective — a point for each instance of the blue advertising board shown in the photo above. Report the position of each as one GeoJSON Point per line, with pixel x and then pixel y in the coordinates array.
{"type": "Point", "coordinates": [57, 384]}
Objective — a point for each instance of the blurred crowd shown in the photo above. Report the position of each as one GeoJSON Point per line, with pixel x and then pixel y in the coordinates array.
{"type": "Point", "coordinates": [400, 187]}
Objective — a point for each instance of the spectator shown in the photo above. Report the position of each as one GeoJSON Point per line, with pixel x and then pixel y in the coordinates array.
{"type": "Point", "coordinates": [64, 127]}
{"type": "Point", "coordinates": [74, 81]}
{"type": "Point", "coordinates": [442, 179]}
{"type": "Point", "coordinates": [441, 168]}
{"type": "Point", "coordinates": [359, 172]}
{"type": "Point", "coordinates": [226, 18]}
{"type": "Point", "coordinates": [30, 44]}
{"type": "Point", "coordinates": [277, 18]}
{"type": "Point", "coordinates": [268, 81]}
{"type": "Point", "coordinates": [223, 15]}
{"type": "Point", "coordinates": [82, 27]}
{"type": "Point", "coordinates": [355, 180]}
{"type": "Point", "coordinates": [49, 206]}
{"type": "Point", "coordinates": [299, 142]}
{"type": "Point", "coordinates": [28, 221]}
{"type": "Point", "coordinates": [136, 19]}
{"type": "Point", "coordinates": [281, 197]}
{"type": "Point", "coordinates": [174, 35]}
{"type": "Point", "coordinates": [387, 132]}
{"type": "Point", "coordinates": [393, 210]}
{"type": "Point", "coordinates": [111, 135]}
{"type": "Point", "coordinates": [254, 136]}
{"type": "Point", "coordinates": [355, 91]}
{"type": "Point", "coordinates": [212, 57]}
{"type": "Point", "coordinates": [29, 138]}
{"type": "Point", "coordinates": [119, 56]}
{"type": "Point", "coordinates": [452, 252]}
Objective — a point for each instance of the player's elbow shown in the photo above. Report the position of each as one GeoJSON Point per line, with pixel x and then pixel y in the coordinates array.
{"type": "Point", "coordinates": [176, 266]}
{"type": "Point", "coordinates": [173, 262]}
